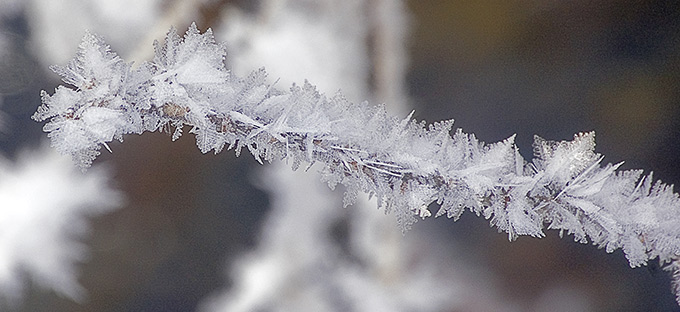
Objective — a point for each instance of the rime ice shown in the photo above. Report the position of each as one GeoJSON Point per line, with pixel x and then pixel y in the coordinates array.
{"type": "Point", "coordinates": [406, 164]}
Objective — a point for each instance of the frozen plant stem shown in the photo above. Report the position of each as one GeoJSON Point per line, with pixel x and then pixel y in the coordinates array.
{"type": "Point", "coordinates": [405, 164]}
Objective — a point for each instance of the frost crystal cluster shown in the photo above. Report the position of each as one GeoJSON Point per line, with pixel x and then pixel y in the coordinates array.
{"type": "Point", "coordinates": [406, 164]}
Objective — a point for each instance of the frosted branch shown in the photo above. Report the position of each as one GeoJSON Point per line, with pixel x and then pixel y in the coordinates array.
{"type": "Point", "coordinates": [406, 164]}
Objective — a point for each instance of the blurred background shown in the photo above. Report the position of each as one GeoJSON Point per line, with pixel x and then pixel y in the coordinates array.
{"type": "Point", "coordinates": [547, 68]}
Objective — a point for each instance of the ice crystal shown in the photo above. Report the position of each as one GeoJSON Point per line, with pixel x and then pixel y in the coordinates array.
{"type": "Point", "coordinates": [406, 164]}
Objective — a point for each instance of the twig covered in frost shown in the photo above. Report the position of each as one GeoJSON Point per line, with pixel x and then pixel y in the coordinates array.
{"type": "Point", "coordinates": [406, 164]}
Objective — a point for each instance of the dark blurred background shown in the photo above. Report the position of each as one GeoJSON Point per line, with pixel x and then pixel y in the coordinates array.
{"type": "Point", "coordinates": [551, 68]}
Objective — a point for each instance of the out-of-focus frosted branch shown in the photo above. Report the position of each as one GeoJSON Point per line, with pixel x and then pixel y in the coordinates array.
{"type": "Point", "coordinates": [407, 165]}
{"type": "Point", "coordinates": [43, 206]}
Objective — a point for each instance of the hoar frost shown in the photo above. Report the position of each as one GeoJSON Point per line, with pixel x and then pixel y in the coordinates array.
{"type": "Point", "coordinates": [406, 164]}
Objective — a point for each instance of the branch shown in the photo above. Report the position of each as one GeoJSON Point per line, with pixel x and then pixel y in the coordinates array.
{"type": "Point", "coordinates": [406, 164]}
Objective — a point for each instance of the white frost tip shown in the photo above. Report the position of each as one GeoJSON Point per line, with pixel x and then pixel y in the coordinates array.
{"type": "Point", "coordinates": [107, 147]}
{"type": "Point", "coordinates": [423, 212]}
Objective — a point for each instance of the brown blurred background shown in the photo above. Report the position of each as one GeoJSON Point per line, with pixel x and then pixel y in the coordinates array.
{"type": "Point", "coordinates": [551, 68]}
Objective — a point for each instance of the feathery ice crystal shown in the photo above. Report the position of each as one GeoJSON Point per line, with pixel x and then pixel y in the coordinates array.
{"type": "Point", "coordinates": [406, 164]}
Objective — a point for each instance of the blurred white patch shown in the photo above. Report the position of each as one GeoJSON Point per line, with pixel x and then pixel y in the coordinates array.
{"type": "Point", "coordinates": [58, 25]}
{"type": "Point", "coordinates": [44, 205]}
